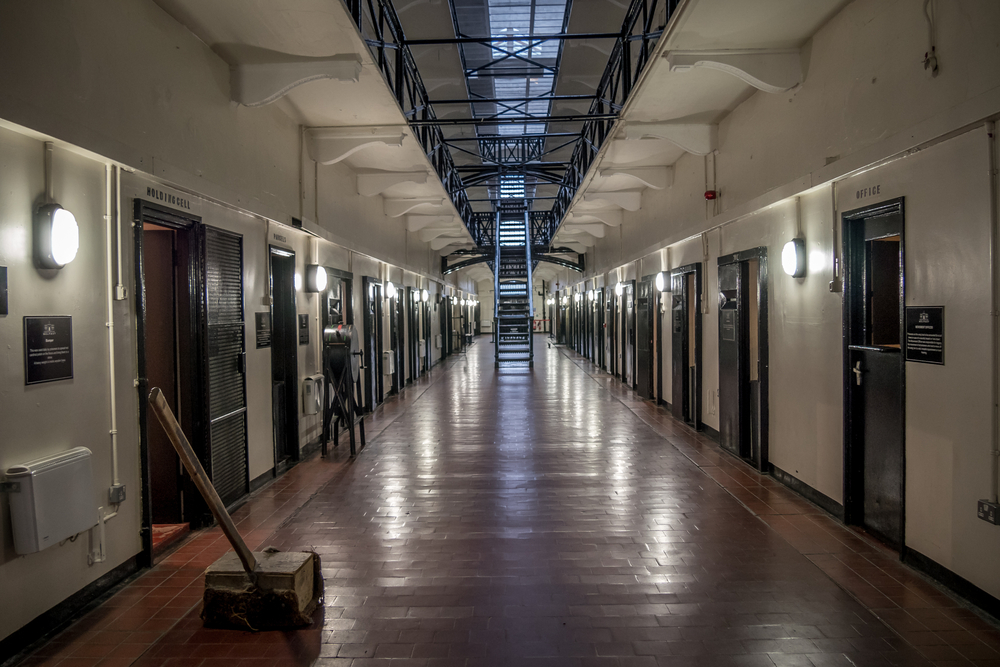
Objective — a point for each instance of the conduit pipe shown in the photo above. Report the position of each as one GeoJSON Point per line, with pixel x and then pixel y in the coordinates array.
{"type": "Point", "coordinates": [991, 144]}
{"type": "Point", "coordinates": [835, 285]}
{"type": "Point", "coordinates": [111, 290]}
{"type": "Point", "coordinates": [49, 187]}
{"type": "Point", "coordinates": [120, 286]}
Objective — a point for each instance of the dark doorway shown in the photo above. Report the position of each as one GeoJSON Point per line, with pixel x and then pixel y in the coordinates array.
{"type": "Point", "coordinates": [628, 338]}
{"type": "Point", "coordinates": [611, 318]}
{"type": "Point", "coordinates": [874, 371]}
{"type": "Point", "coordinates": [685, 344]}
{"type": "Point", "coordinates": [600, 317]}
{"type": "Point", "coordinates": [743, 357]}
{"type": "Point", "coordinates": [413, 332]}
{"type": "Point", "coordinates": [284, 359]}
{"type": "Point", "coordinates": [397, 340]}
{"type": "Point", "coordinates": [372, 337]}
{"type": "Point", "coordinates": [189, 325]}
{"type": "Point", "coordinates": [644, 337]}
{"type": "Point", "coordinates": [160, 285]}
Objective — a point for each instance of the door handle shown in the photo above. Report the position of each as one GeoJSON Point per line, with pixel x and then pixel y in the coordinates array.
{"type": "Point", "coordinates": [857, 372]}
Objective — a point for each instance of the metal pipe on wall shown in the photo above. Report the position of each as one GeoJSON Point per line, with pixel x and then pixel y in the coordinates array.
{"type": "Point", "coordinates": [991, 140]}
{"type": "Point", "coordinates": [111, 291]}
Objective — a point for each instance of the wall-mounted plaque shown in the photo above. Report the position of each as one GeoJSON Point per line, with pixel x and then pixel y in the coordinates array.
{"type": "Point", "coordinates": [925, 334]}
{"type": "Point", "coordinates": [303, 329]}
{"type": "Point", "coordinates": [48, 349]}
{"type": "Point", "coordinates": [263, 329]}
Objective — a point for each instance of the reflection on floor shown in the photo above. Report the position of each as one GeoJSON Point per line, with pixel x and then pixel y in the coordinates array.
{"type": "Point", "coordinates": [544, 517]}
{"type": "Point", "coordinates": [165, 535]}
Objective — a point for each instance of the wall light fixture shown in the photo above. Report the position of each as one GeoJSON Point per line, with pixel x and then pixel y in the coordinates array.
{"type": "Point", "coordinates": [57, 237]}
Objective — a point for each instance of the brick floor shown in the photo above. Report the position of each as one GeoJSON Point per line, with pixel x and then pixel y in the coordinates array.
{"type": "Point", "coordinates": [544, 517]}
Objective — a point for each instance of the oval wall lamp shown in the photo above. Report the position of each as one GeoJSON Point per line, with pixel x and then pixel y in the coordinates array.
{"type": "Point", "coordinates": [316, 278]}
{"type": "Point", "coordinates": [424, 295]}
{"type": "Point", "coordinates": [57, 237]}
{"type": "Point", "coordinates": [390, 290]}
{"type": "Point", "coordinates": [793, 258]}
{"type": "Point", "coordinates": [662, 282]}
{"type": "Point", "coordinates": [619, 289]}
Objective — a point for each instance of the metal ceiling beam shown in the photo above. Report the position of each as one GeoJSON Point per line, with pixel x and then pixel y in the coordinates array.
{"type": "Point", "coordinates": [490, 41]}
{"type": "Point", "coordinates": [514, 120]}
{"type": "Point", "coordinates": [504, 100]}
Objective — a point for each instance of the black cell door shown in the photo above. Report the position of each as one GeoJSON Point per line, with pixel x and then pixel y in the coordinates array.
{"type": "Point", "coordinates": [874, 370]}
{"type": "Point", "coordinates": [284, 358]}
{"type": "Point", "coordinates": [372, 342]}
{"type": "Point", "coordinates": [685, 344]}
{"type": "Point", "coordinates": [227, 399]}
{"type": "Point", "coordinates": [601, 331]}
{"type": "Point", "coordinates": [743, 355]}
{"type": "Point", "coordinates": [644, 338]}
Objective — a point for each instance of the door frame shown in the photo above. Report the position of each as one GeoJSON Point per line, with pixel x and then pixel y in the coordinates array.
{"type": "Point", "coordinates": [763, 348]}
{"type": "Point", "coordinates": [853, 314]}
{"type": "Point", "coordinates": [699, 344]}
{"type": "Point", "coordinates": [291, 425]}
{"type": "Point", "coordinates": [146, 211]}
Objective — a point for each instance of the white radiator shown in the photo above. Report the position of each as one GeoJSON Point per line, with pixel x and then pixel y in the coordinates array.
{"type": "Point", "coordinates": [54, 499]}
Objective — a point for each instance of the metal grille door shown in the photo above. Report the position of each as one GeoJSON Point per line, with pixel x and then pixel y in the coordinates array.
{"type": "Point", "coordinates": [226, 383]}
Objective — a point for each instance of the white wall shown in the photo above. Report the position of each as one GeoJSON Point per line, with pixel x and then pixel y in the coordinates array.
{"type": "Point", "coordinates": [122, 82]}
{"type": "Point", "coordinates": [865, 99]}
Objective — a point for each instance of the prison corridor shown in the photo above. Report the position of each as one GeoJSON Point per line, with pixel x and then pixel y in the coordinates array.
{"type": "Point", "coordinates": [542, 516]}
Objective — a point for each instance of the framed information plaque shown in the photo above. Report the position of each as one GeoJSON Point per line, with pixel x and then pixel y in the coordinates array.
{"type": "Point", "coordinates": [925, 334]}
{"type": "Point", "coordinates": [48, 349]}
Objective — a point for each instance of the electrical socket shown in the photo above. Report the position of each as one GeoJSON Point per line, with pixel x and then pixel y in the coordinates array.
{"type": "Point", "coordinates": [989, 512]}
{"type": "Point", "coordinates": [116, 494]}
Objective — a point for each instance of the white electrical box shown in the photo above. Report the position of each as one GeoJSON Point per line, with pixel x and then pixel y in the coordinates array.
{"type": "Point", "coordinates": [312, 394]}
{"type": "Point", "coordinates": [388, 363]}
{"type": "Point", "coordinates": [422, 347]}
{"type": "Point", "coordinates": [437, 341]}
{"type": "Point", "coordinates": [53, 500]}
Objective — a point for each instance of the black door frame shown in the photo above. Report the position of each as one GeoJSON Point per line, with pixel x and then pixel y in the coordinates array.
{"type": "Point", "coordinates": [695, 270]}
{"type": "Point", "coordinates": [658, 341]}
{"type": "Point", "coordinates": [763, 349]}
{"type": "Point", "coordinates": [852, 228]}
{"type": "Point", "coordinates": [651, 303]}
{"type": "Point", "coordinates": [145, 211]}
{"type": "Point", "coordinates": [291, 425]}
{"type": "Point", "coordinates": [372, 337]}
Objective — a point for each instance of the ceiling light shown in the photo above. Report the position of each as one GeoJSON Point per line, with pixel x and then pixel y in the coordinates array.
{"type": "Point", "coordinates": [316, 279]}
{"type": "Point", "coordinates": [793, 258]}
{"type": "Point", "coordinates": [57, 237]}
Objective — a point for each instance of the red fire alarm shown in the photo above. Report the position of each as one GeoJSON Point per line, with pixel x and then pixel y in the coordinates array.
{"type": "Point", "coordinates": [711, 194]}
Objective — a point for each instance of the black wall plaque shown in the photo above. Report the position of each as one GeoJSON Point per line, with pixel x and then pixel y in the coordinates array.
{"type": "Point", "coordinates": [48, 349]}
{"type": "Point", "coordinates": [263, 328]}
{"type": "Point", "coordinates": [303, 329]}
{"type": "Point", "coordinates": [925, 334]}
{"type": "Point", "coordinates": [3, 290]}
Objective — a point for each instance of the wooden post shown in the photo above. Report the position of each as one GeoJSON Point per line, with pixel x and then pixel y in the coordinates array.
{"type": "Point", "coordinates": [200, 479]}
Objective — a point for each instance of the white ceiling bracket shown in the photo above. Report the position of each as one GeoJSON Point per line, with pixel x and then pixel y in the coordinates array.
{"type": "Point", "coordinates": [370, 185]}
{"type": "Point", "coordinates": [257, 84]}
{"type": "Point", "coordinates": [610, 218]}
{"type": "Point", "coordinates": [594, 229]}
{"type": "Point", "coordinates": [630, 201]}
{"type": "Point", "coordinates": [397, 207]}
{"type": "Point", "coordinates": [772, 71]}
{"type": "Point", "coordinates": [695, 138]}
{"type": "Point", "coordinates": [329, 145]}
{"type": "Point", "coordinates": [427, 235]}
{"type": "Point", "coordinates": [445, 241]}
{"type": "Point", "coordinates": [657, 178]}
{"type": "Point", "coordinates": [415, 223]}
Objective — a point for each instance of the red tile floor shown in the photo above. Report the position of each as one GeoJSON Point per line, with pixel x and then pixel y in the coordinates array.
{"type": "Point", "coordinates": [543, 517]}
